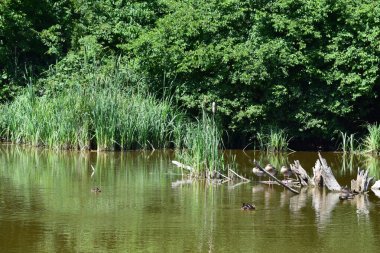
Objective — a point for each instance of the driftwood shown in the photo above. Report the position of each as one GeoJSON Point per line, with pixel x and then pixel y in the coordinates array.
{"type": "Point", "coordinates": [274, 178]}
{"type": "Point", "coordinates": [323, 175]}
{"type": "Point", "coordinates": [376, 185]}
{"type": "Point", "coordinates": [376, 188]}
{"type": "Point", "coordinates": [362, 182]}
{"type": "Point", "coordinates": [301, 174]}
{"type": "Point", "coordinates": [317, 174]}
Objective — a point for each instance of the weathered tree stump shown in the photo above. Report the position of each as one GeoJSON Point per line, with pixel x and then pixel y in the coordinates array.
{"type": "Point", "coordinates": [376, 188]}
{"type": "Point", "coordinates": [376, 185]}
{"type": "Point", "coordinates": [362, 182]}
{"type": "Point", "coordinates": [301, 174]}
{"type": "Point", "coordinates": [323, 175]}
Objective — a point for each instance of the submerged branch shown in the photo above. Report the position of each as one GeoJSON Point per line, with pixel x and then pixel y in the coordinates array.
{"type": "Point", "coordinates": [241, 177]}
{"type": "Point", "coordinates": [227, 178]}
{"type": "Point", "coordinates": [183, 166]}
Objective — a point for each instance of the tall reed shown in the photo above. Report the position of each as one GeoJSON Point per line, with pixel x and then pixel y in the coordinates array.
{"type": "Point", "coordinates": [348, 144]}
{"type": "Point", "coordinates": [101, 110]}
{"type": "Point", "coordinates": [202, 147]}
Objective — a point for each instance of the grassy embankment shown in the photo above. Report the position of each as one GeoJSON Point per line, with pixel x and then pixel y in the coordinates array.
{"type": "Point", "coordinates": [98, 107]}
{"type": "Point", "coordinates": [106, 109]}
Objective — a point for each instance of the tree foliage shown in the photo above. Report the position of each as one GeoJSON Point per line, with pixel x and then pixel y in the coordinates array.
{"type": "Point", "coordinates": [309, 66]}
{"type": "Point", "coordinates": [33, 34]}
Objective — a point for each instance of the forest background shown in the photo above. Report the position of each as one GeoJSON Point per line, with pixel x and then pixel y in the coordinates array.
{"type": "Point", "coordinates": [308, 67]}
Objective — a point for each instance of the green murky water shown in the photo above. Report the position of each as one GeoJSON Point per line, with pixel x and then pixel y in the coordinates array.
{"type": "Point", "coordinates": [147, 206]}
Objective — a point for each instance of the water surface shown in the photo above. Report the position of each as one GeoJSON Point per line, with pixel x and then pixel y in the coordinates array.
{"type": "Point", "coordinates": [147, 205]}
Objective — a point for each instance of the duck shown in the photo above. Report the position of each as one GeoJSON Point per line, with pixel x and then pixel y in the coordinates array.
{"type": "Point", "coordinates": [258, 172]}
{"type": "Point", "coordinates": [271, 170]}
{"type": "Point", "coordinates": [248, 207]}
{"type": "Point", "coordinates": [287, 172]}
{"type": "Point", "coordinates": [96, 190]}
{"type": "Point", "coordinates": [346, 193]}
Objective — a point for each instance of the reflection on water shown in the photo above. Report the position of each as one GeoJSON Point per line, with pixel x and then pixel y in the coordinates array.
{"type": "Point", "coordinates": [147, 205]}
{"type": "Point", "coordinates": [323, 204]}
{"type": "Point", "coordinates": [351, 163]}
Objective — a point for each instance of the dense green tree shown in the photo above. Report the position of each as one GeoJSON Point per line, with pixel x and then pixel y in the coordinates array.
{"type": "Point", "coordinates": [114, 24]}
{"type": "Point", "coordinates": [33, 34]}
{"type": "Point", "coordinates": [309, 66]}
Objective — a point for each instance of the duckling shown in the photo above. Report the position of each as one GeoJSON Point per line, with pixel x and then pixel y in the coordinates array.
{"type": "Point", "coordinates": [346, 193]}
{"type": "Point", "coordinates": [96, 190]}
{"type": "Point", "coordinates": [258, 172]}
{"type": "Point", "coordinates": [287, 172]}
{"type": "Point", "coordinates": [248, 207]}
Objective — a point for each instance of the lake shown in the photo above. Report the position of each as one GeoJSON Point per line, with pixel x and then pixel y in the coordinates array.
{"type": "Point", "coordinates": [147, 205]}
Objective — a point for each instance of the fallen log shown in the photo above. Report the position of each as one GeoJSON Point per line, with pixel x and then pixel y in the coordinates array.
{"type": "Point", "coordinates": [323, 175]}
{"type": "Point", "coordinates": [362, 182]}
{"type": "Point", "coordinates": [274, 178]}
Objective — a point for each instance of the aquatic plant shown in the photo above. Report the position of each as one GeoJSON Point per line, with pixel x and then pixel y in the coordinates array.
{"type": "Point", "coordinates": [348, 143]}
{"type": "Point", "coordinates": [99, 109]}
{"type": "Point", "coordinates": [273, 140]}
{"type": "Point", "coordinates": [371, 142]}
{"type": "Point", "coordinates": [202, 144]}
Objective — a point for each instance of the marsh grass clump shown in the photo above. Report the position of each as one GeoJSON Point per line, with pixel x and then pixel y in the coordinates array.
{"type": "Point", "coordinates": [371, 142]}
{"type": "Point", "coordinates": [273, 140]}
{"type": "Point", "coordinates": [100, 109]}
{"type": "Point", "coordinates": [202, 147]}
{"type": "Point", "coordinates": [108, 118]}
